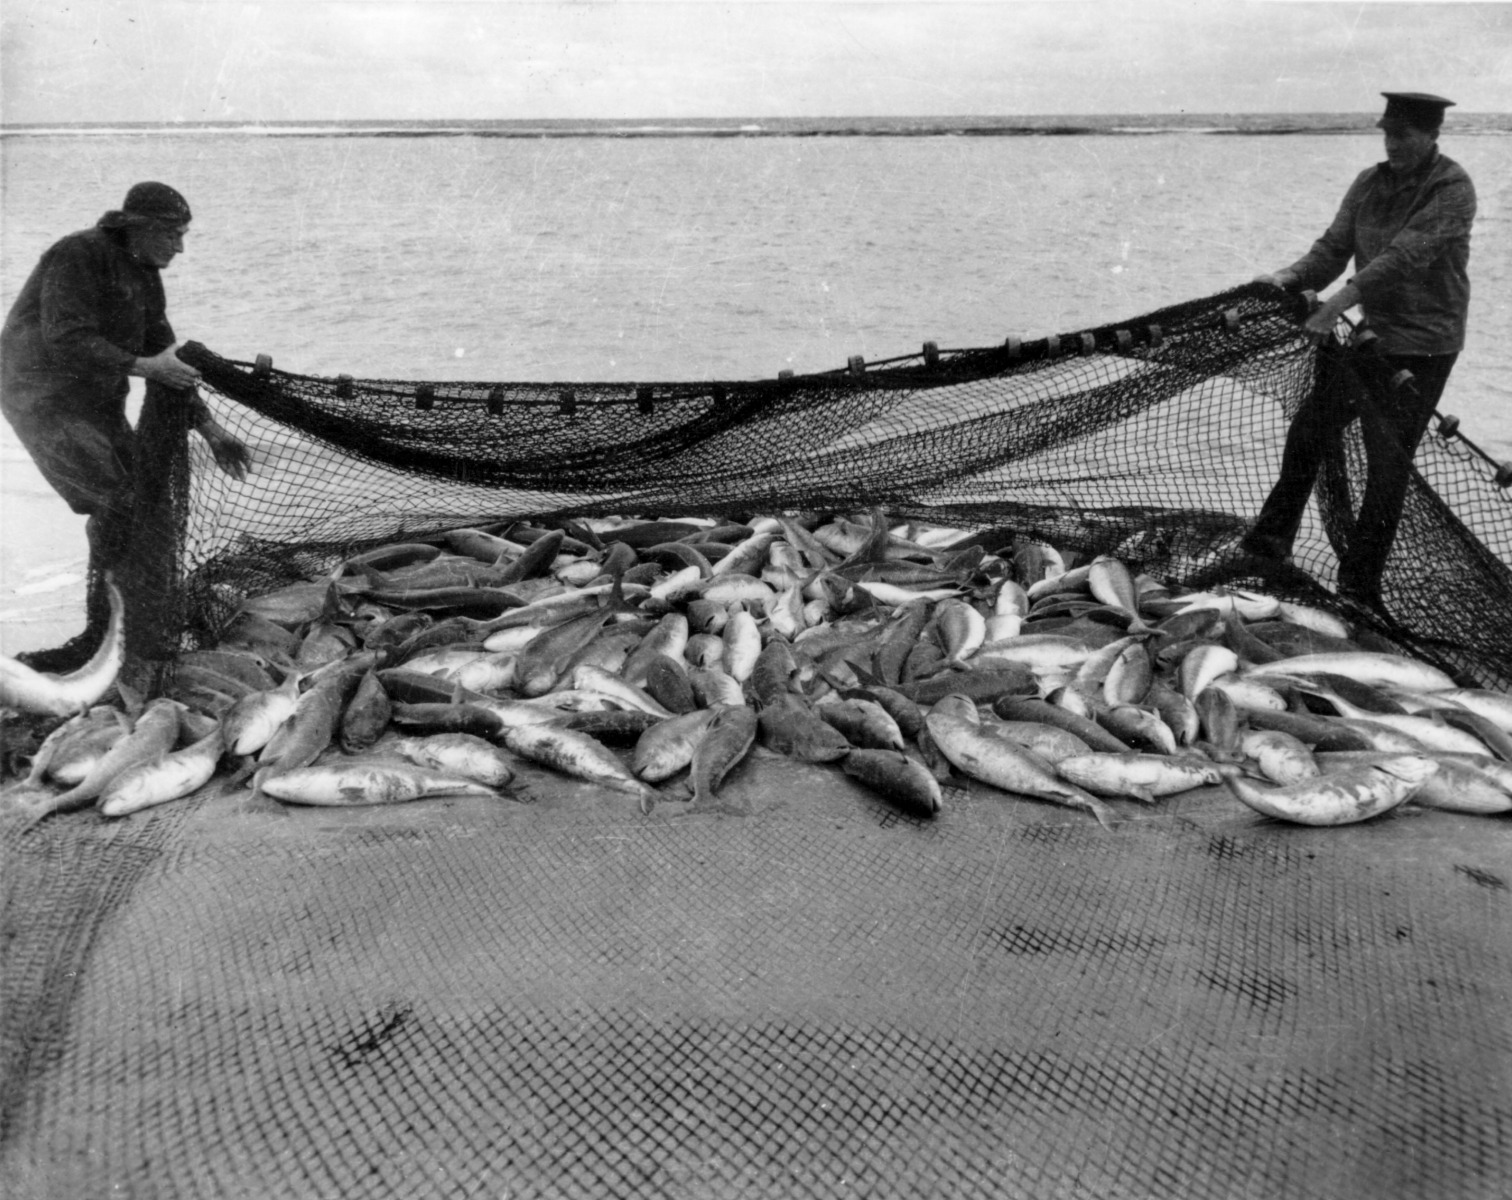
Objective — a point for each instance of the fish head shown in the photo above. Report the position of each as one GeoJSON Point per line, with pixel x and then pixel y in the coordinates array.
{"type": "Point", "coordinates": [959, 706]}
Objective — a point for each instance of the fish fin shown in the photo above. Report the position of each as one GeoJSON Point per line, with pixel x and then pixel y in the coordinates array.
{"type": "Point", "coordinates": [132, 700]}
{"type": "Point", "coordinates": [874, 549]}
{"type": "Point", "coordinates": [814, 554]}
{"type": "Point", "coordinates": [679, 790]}
{"type": "Point", "coordinates": [615, 602]}
{"type": "Point", "coordinates": [1106, 817]}
{"type": "Point", "coordinates": [580, 531]}
{"type": "Point", "coordinates": [60, 802]}
{"type": "Point", "coordinates": [374, 578]}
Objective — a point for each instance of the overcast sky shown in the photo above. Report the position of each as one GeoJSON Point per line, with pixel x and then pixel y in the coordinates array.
{"type": "Point", "coordinates": [214, 60]}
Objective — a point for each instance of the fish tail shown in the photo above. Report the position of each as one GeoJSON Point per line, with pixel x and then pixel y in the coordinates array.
{"type": "Point", "coordinates": [39, 810]}
{"type": "Point", "coordinates": [65, 801]}
{"type": "Point", "coordinates": [35, 815]}
{"type": "Point", "coordinates": [247, 766]}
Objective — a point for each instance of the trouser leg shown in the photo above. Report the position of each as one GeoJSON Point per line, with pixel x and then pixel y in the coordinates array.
{"type": "Point", "coordinates": [1391, 429]}
{"type": "Point", "coordinates": [87, 458]}
{"type": "Point", "coordinates": [1318, 425]}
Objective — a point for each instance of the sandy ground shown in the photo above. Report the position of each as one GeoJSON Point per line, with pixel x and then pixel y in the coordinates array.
{"type": "Point", "coordinates": [43, 556]}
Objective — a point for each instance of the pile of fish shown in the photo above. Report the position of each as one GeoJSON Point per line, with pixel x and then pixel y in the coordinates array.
{"type": "Point", "coordinates": [648, 657]}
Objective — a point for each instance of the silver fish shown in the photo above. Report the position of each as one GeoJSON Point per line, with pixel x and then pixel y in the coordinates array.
{"type": "Point", "coordinates": [1353, 794]}
{"type": "Point", "coordinates": [64, 695]}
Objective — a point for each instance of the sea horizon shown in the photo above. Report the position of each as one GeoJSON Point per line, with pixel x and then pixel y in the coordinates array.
{"type": "Point", "coordinates": [1021, 125]}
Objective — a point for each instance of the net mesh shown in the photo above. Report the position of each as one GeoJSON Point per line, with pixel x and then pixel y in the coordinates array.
{"type": "Point", "coordinates": [806, 993]}
{"type": "Point", "coordinates": [816, 999]}
{"type": "Point", "coordinates": [1155, 440]}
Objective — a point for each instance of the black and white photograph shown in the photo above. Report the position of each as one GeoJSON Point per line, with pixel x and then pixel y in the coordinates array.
{"type": "Point", "coordinates": [787, 598]}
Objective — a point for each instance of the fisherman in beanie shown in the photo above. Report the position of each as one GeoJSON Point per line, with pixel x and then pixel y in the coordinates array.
{"type": "Point", "coordinates": [1406, 223]}
{"type": "Point", "coordinates": [91, 314]}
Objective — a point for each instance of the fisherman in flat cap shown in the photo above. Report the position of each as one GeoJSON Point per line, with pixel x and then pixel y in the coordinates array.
{"type": "Point", "coordinates": [92, 313]}
{"type": "Point", "coordinates": [1406, 224]}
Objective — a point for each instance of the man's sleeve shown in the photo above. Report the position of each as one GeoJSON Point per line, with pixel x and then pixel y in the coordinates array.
{"type": "Point", "coordinates": [159, 334]}
{"type": "Point", "coordinates": [70, 318]}
{"type": "Point", "coordinates": [1443, 218]}
{"type": "Point", "coordinates": [199, 412]}
{"type": "Point", "coordinates": [1331, 253]}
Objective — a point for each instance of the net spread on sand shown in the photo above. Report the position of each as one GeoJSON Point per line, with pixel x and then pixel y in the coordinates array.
{"type": "Point", "coordinates": [805, 994]}
{"type": "Point", "coordinates": [483, 998]}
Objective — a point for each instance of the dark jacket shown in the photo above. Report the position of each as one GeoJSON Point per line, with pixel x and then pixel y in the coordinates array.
{"type": "Point", "coordinates": [86, 312]}
{"type": "Point", "coordinates": [1409, 236]}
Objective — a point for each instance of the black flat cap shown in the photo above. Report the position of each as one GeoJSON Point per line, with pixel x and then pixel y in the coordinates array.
{"type": "Point", "coordinates": [1417, 109]}
{"type": "Point", "coordinates": [149, 204]}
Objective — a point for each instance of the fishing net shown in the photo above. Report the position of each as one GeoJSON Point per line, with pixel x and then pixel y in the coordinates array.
{"type": "Point", "coordinates": [1155, 440]}
{"type": "Point", "coordinates": [818, 998]}
{"type": "Point", "coordinates": [806, 993]}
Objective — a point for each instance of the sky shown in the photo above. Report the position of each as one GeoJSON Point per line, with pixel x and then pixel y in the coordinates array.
{"type": "Point", "coordinates": [291, 60]}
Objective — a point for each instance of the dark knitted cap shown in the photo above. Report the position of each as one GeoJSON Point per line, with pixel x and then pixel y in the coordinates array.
{"type": "Point", "coordinates": [1418, 109]}
{"type": "Point", "coordinates": [149, 204]}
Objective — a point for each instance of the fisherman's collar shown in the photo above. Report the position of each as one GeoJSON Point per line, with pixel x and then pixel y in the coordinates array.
{"type": "Point", "coordinates": [1417, 172]}
{"type": "Point", "coordinates": [117, 238]}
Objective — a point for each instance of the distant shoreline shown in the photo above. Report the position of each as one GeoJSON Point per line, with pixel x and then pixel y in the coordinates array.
{"type": "Point", "coordinates": [1110, 125]}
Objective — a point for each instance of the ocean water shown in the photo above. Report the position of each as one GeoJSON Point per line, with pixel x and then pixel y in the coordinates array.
{"type": "Point", "coordinates": [654, 253]}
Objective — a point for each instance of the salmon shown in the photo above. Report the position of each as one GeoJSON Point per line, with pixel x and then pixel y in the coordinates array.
{"type": "Point", "coordinates": [169, 776]}
{"type": "Point", "coordinates": [897, 777]}
{"type": "Point", "coordinates": [1381, 670]}
{"type": "Point", "coordinates": [344, 784]}
{"type": "Point", "coordinates": [153, 734]}
{"type": "Point", "coordinates": [1355, 793]}
{"type": "Point", "coordinates": [72, 749]}
{"type": "Point", "coordinates": [668, 638]}
{"type": "Point", "coordinates": [1109, 581]}
{"type": "Point", "coordinates": [727, 740]}
{"type": "Point", "coordinates": [667, 747]}
{"type": "Point", "coordinates": [1463, 783]}
{"type": "Point", "coordinates": [742, 644]}
{"type": "Point", "coordinates": [1202, 665]}
{"type": "Point", "coordinates": [864, 723]}
{"type": "Point", "coordinates": [460, 755]}
{"type": "Point", "coordinates": [1282, 758]}
{"type": "Point", "coordinates": [1050, 742]}
{"type": "Point", "coordinates": [789, 725]}
{"type": "Point", "coordinates": [252, 721]}
{"type": "Point", "coordinates": [1142, 776]}
{"type": "Point", "coordinates": [590, 678]}
{"type": "Point", "coordinates": [976, 751]}
{"type": "Point", "coordinates": [366, 715]}
{"type": "Point", "coordinates": [64, 695]}
{"type": "Point", "coordinates": [578, 755]}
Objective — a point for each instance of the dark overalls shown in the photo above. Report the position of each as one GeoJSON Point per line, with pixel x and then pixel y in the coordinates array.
{"type": "Point", "coordinates": [86, 312]}
{"type": "Point", "coordinates": [1409, 237]}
